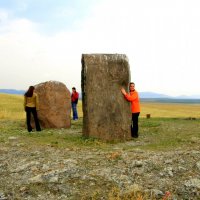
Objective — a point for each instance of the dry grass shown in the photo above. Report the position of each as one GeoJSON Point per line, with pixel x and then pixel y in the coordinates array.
{"type": "Point", "coordinates": [161, 132]}
{"type": "Point", "coordinates": [164, 110]}
{"type": "Point", "coordinates": [79, 108]}
{"type": "Point", "coordinates": [167, 128]}
{"type": "Point", "coordinates": [11, 107]}
{"type": "Point", "coordinates": [170, 110]}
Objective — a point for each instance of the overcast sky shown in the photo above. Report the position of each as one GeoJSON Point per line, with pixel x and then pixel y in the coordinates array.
{"type": "Point", "coordinates": [42, 40]}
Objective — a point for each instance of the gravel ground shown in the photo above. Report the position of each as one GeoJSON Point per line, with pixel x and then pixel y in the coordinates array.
{"type": "Point", "coordinates": [47, 172]}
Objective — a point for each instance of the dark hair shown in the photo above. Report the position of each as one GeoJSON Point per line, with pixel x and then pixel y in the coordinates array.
{"type": "Point", "coordinates": [131, 83]}
{"type": "Point", "coordinates": [74, 88]}
{"type": "Point", "coordinates": [29, 92]}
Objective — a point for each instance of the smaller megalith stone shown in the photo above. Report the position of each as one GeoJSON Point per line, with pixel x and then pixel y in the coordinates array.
{"type": "Point", "coordinates": [54, 105]}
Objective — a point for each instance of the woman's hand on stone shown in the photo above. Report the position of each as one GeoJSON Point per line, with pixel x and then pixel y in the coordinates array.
{"type": "Point", "coordinates": [123, 91]}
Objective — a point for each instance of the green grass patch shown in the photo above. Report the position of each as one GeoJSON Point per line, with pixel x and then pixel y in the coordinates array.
{"type": "Point", "coordinates": [157, 133]}
{"type": "Point", "coordinates": [154, 134]}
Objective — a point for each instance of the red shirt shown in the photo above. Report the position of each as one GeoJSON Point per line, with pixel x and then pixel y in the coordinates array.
{"type": "Point", "coordinates": [74, 97]}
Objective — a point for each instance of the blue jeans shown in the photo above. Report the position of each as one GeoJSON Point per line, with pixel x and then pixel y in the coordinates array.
{"type": "Point", "coordinates": [74, 111]}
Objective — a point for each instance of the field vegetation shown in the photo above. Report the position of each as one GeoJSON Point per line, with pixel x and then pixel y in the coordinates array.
{"type": "Point", "coordinates": [171, 127]}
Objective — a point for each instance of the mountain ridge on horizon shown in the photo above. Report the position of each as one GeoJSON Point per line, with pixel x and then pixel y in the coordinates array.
{"type": "Point", "coordinates": [159, 95]}
{"type": "Point", "coordinates": [141, 94]}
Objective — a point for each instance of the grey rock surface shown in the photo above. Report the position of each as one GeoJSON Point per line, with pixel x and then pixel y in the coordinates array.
{"type": "Point", "coordinates": [38, 172]}
{"type": "Point", "coordinates": [106, 114]}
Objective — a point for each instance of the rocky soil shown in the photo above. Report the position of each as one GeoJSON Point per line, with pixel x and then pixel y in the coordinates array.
{"type": "Point", "coordinates": [47, 172]}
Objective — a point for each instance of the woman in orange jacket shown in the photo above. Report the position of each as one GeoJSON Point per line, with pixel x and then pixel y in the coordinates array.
{"type": "Point", "coordinates": [133, 97]}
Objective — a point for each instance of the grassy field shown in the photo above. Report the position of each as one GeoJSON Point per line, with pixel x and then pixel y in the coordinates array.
{"type": "Point", "coordinates": [170, 110]}
{"type": "Point", "coordinates": [170, 126]}
{"type": "Point", "coordinates": [11, 108]}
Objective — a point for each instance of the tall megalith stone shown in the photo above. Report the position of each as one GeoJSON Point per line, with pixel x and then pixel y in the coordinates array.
{"type": "Point", "coordinates": [106, 114]}
{"type": "Point", "coordinates": [54, 104]}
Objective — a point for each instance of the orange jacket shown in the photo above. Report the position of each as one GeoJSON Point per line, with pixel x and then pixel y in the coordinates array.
{"type": "Point", "coordinates": [133, 97]}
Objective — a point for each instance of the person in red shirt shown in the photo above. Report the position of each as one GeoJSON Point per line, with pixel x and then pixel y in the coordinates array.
{"type": "Point", "coordinates": [133, 97]}
{"type": "Point", "coordinates": [74, 101]}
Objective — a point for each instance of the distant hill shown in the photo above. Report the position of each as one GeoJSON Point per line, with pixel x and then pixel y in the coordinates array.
{"type": "Point", "coordinates": [170, 100]}
{"type": "Point", "coordinates": [143, 95]}
{"type": "Point", "coordinates": [188, 97]}
{"type": "Point", "coordinates": [152, 95]}
{"type": "Point", "coordinates": [12, 91]}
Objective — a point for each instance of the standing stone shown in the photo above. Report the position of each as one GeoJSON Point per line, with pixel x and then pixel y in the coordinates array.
{"type": "Point", "coordinates": [106, 114]}
{"type": "Point", "coordinates": [54, 105]}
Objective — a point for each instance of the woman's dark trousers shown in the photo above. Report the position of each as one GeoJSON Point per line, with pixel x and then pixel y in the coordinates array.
{"type": "Point", "coordinates": [30, 110]}
{"type": "Point", "coordinates": [134, 125]}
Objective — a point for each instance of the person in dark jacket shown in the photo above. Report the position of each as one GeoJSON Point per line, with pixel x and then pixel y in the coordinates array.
{"type": "Point", "coordinates": [74, 101]}
{"type": "Point", "coordinates": [31, 106]}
